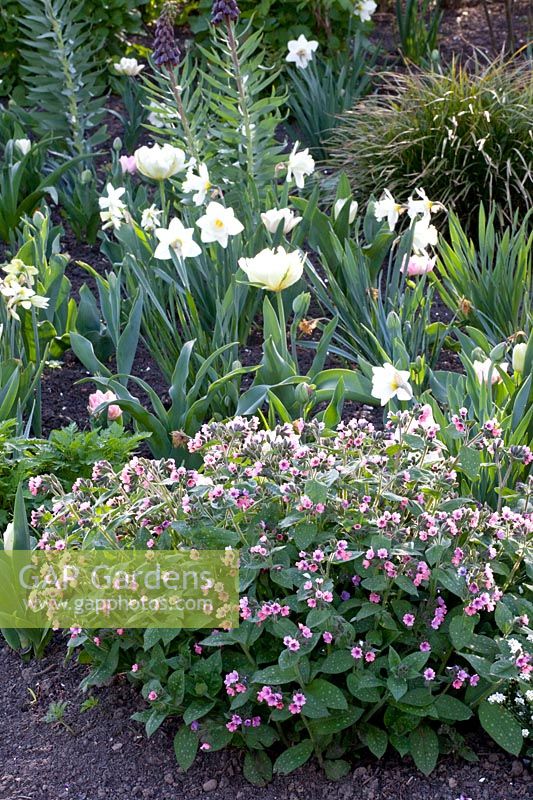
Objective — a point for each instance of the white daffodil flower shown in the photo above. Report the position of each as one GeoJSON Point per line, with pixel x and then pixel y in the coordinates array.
{"type": "Point", "coordinates": [299, 165]}
{"type": "Point", "coordinates": [274, 270]}
{"type": "Point", "coordinates": [389, 382]}
{"type": "Point", "coordinates": [113, 210]}
{"type": "Point", "coordinates": [151, 218]}
{"type": "Point", "coordinates": [177, 238]}
{"type": "Point", "coordinates": [423, 205]}
{"type": "Point", "coordinates": [218, 224]}
{"type": "Point", "coordinates": [364, 9]}
{"type": "Point", "coordinates": [198, 183]}
{"type": "Point", "coordinates": [387, 208]}
{"type": "Point", "coordinates": [424, 235]}
{"type": "Point", "coordinates": [23, 146]}
{"type": "Point", "coordinates": [301, 51]}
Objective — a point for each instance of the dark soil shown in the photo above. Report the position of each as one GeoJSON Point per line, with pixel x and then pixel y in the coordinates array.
{"type": "Point", "coordinates": [107, 756]}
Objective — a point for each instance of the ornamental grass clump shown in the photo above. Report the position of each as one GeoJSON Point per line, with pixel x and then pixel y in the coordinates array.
{"type": "Point", "coordinates": [378, 608]}
{"type": "Point", "coordinates": [467, 134]}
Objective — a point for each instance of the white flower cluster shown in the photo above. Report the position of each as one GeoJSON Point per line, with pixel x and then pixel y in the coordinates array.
{"type": "Point", "coordinates": [419, 209]}
{"type": "Point", "coordinates": [17, 288]}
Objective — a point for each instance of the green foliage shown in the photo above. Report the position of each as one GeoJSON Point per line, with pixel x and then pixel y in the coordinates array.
{"type": "Point", "coordinates": [326, 88]}
{"type": "Point", "coordinates": [489, 284]}
{"type": "Point", "coordinates": [328, 20]}
{"type": "Point", "coordinates": [362, 623]}
{"type": "Point", "coordinates": [418, 25]}
{"type": "Point", "coordinates": [63, 71]}
{"type": "Point", "coordinates": [464, 133]}
{"type": "Point", "coordinates": [111, 21]}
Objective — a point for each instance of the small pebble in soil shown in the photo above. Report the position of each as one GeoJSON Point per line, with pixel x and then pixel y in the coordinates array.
{"type": "Point", "coordinates": [210, 785]}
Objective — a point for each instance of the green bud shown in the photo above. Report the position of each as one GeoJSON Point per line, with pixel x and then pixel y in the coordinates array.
{"type": "Point", "coordinates": [301, 304]}
{"type": "Point", "coordinates": [117, 144]}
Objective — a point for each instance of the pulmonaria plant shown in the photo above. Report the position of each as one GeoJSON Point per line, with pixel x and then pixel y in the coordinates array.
{"type": "Point", "coordinates": [377, 606]}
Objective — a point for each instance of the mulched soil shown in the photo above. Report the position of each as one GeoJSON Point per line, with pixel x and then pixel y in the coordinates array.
{"type": "Point", "coordinates": [107, 756]}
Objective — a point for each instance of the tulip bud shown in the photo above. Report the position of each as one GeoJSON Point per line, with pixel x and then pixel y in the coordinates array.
{"type": "Point", "coordinates": [117, 144]}
{"type": "Point", "coordinates": [478, 354]}
{"type": "Point", "coordinates": [304, 392]}
{"type": "Point", "coordinates": [519, 357]}
{"type": "Point", "coordinates": [498, 352]}
{"type": "Point", "coordinates": [86, 176]}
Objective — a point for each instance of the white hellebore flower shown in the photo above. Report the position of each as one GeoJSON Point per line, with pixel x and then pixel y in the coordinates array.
{"type": "Point", "coordinates": [387, 208]}
{"type": "Point", "coordinates": [483, 368]}
{"type": "Point", "coordinates": [159, 162]}
{"type": "Point", "coordinates": [218, 224]}
{"type": "Point", "coordinates": [339, 205]}
{"type": "Point", "coordinates": [128, 66]}
{"type": "Point", "coordinates": [424, 235]}
{"type": "Point", "coordinates": [198, 183]}
{"type": "Point", "coordinates": [301, 51]}
{"type": "Point", "coordinates": [364, 9]}
{"type": "Point", "coordinates": [423, 206]}
{"type": "Point", "coordinates": [150, 218]}
{"type": "Point", "coordinates": [23, 146]}
{"type": "Point", "coordinates": [178, 238]}
{"type": "Point", "coordinates": [273, 218]}
{"type": "Point", "coordinates": [300, 165]}
{"type": "Point", "coordinates": [389, 382]}
{"type": "Point", "coordinates": [274, 270]}
{"type": "Point", "coordinates": [112, 208]}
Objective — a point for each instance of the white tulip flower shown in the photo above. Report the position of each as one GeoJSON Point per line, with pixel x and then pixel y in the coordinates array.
{"type": "Point", "coordinates": [177, 238]}
{"type": "Point", "coordinates": [389, 382]}
{"type": "Point", "coordinates": [364, 9]}
{"type": "Point", "coordinates": [301, 51]}
{"type": "Point", "coordinates": [339, 205]}
{"type": "Point", "coordinates": [23, 146]}
{"type": "Point", "coordinates": [273, 218]}
{"type": "Point", "coordinates": [218, 224]}
{"type": "Point", "coordinates": [483, 369]}
{"type": "Point", "coordinates": [387, 208]}
{"type": "Point", "coordinates": [424, 235]}
{"type": "Point", "coordinates": [128, 66]}
{"type": "Point", "coordinates": [159, 162]}
{"type": "Point", "coordinates": [519, 357]}
{"type": "Point", "coordinates": [300, 165]}
{"type": "Point", "coordinates": [273, 270]}
{"type": "Point", "coordinates": [198, 183]}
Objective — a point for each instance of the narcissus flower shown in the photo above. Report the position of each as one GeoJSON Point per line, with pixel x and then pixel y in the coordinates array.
{"type": "Point", "coordinates": [424, 235]}
{"type": "Point", "coordinates": [389, 382]}
{"type": "Point", "coordinates": [150, 218]}
{"type": "Point", "coordinates": [177, 238]}
{"type": "Point", "coordinates": [299, 165]}
{"type": "Point", "coordinates": [198, 183]}
{"type": "Point", "coordinates": [274, 270]}
{"type": "Point", "coordinates": [113, 210]}
{"type": "Point", "coordinates": [159, 162]}
{"type": "Point", "coordinates": [387, 208]}
{"type": "Point", "coordinates": [364, 9]}
{"type": "Point", "coordinates": [423, 205]}
{"type": "Point", "coordinates": [301, 51]}
{"type": "Point", "coordinates": [485, 368]}
{"type": "Point", "coordinates": [273, 218]}
{"type": "Point", "coordinates": [128, 66]}
{"type": "Point", "coordinates": [218, 224]}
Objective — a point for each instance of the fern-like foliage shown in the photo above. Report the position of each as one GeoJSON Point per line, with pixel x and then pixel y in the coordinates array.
{"type": "Point", "coordinates": [62, 70]}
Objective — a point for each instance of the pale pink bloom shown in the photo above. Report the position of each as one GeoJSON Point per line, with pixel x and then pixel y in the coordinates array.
{"type": "Point", "coordinates": [128, 164]}
{"type": "Point", "coordinates": [419, 264]}
{"type": "Point", "coordinates": [98, 398]}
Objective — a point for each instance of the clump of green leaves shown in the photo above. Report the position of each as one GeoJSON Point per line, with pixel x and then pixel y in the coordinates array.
{"type": "Point", "coordinates": [467, 134]}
